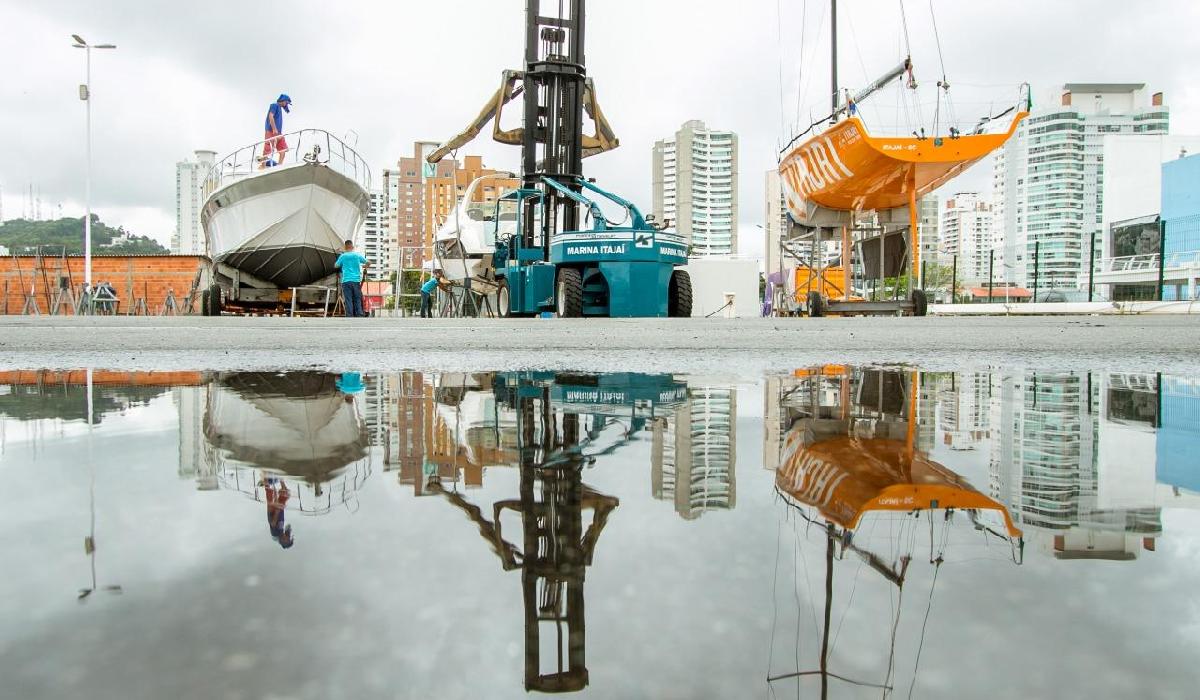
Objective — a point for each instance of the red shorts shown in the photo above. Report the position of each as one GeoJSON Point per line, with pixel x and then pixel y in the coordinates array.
{"type": "Point", "coordinates": [274, 143]}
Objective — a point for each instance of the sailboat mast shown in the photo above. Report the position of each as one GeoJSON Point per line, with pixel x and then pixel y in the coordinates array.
{"type": "Point", "coordinates": [833, 79]}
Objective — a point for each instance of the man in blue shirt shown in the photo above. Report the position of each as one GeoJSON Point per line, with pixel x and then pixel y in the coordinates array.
{"type": "Point", "coordinates": [427, 293]}
{"type": "Point", "coordinates": [274, 142]}
{"type": "Point", "coordinates": [353, 265]}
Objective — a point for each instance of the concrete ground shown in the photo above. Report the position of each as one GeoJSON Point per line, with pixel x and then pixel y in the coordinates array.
{"type": "Point", "coordinates": [711, 346]}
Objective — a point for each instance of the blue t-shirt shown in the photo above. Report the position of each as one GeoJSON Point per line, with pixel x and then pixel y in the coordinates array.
{"type": "Point", "coordinates": [349, 383]}
{"type": "Point", "coordinates": [278, 112]}
{"type": "Point", "coordinates": [430, 285]}
{"type": "Point", "coordinates": [351, 264]}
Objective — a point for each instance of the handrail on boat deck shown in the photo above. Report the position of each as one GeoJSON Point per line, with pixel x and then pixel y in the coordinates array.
{"type": "Point", "coordinates": [303, 146]}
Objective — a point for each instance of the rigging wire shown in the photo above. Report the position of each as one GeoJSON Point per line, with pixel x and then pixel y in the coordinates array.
{"type": "Point", "coordinates": [943, 84]}
{"type": "Point", "coordinates": [774, 606]}
{"type": "Point", "coordinates": [796, 589]}
{"type": "Point", "coordinates": [802, 88]}
{"type": "Point", "coordinates": [928, 607]}
{"type": "Point", "coordinates": [904, 24]}
{"type": "Point", "coordinates": [857, 46]}
{"type": "Point", "coordinates": [779, 51]}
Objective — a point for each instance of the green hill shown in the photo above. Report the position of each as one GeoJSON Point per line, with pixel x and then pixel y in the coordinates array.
{"type": "Point", "coordinates": [18, 234]}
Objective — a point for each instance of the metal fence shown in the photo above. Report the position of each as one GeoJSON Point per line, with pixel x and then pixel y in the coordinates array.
{"type": "Point", "coordinates": [1034, 273]}
{"type": "Point", "coordinates": [303, 146]}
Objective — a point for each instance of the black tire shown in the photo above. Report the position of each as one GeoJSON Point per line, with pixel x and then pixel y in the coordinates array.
{"type": "Point", "coordinates": [204, 301]}
{"type": "Point", "coordinates": [679, 295]}
{"type": "Point", "coordinates": [503, 301]}
{"type": "Point", "coordinates": [568, 293]}
{"type": "Point", "coordinates": [920, 302]}
{"type": "Point", "coordinates": [816, 305]}
{"type": "Point", "coordinates": [213, 296]}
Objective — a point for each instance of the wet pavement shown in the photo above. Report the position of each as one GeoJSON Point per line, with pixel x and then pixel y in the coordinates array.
{"type": "Point", "coordinates": [746, 345]}
{"type": "Point", "coordinates": [833, 530]}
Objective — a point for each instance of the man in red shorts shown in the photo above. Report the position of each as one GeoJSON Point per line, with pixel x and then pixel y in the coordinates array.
{"type": "Point", "coordinates": [274, 141]}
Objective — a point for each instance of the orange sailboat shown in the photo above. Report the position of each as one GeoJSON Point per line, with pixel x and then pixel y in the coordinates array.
{"type": "Point", "coordinates": [832, 177]}
{"type": "Point", "coordinates": [853, 458]}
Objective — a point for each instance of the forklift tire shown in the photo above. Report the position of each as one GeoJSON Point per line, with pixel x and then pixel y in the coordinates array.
{"type": "Point", "coordinates": [568, 293]}
{"type": "Point", "coordinates": [816, 305]}
{"type": "Point", "coordinates": [679, 295]}
{"type": "Point", "coordinates": [213, 297]}
{"type": "Point", "coordinates": [503, 302]}
{"type": "Point", "coordinates": [920, 302]}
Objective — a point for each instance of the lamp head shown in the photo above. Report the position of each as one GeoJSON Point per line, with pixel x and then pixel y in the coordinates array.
{"type": "Point", "coordinates": [78, 39]}
{"type": "Point", "coordinates": [105, 46]}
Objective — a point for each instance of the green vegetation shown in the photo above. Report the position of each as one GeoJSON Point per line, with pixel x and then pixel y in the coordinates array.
{"type": "Point", "coordinates": [19, 234]}
{"type": "Point", "coordinates": [412, 286]}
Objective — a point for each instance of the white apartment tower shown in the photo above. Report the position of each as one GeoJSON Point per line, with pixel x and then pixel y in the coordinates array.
{"type": "Point", "coordinates": [693, 453]}
{"type": "Point", "coordinates": [377, 244]}
{"type": "Point", "coordinates": [928, 226]}
{"type": "Point", "coordinates": [695, 187]}
{"type": "Point", "coordinates": [776, 221]}
{"type": "Point", "coordinates": [967, 232]}
{"type": "Point", "coordinates": [1048, 180]}
{"type": "Point", "coordinates": [189, 199]}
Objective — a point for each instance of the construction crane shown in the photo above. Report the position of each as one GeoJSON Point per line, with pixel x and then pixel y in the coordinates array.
{"type": "Point", "coordinates": [566, 256]}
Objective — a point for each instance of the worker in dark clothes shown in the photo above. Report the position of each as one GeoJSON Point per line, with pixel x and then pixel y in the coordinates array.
{"type": "Point", "coordinates": [273, 142]}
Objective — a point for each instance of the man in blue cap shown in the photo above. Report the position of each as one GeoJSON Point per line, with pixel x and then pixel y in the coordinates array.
{"type": "Point", "coordinates": [274, 141]}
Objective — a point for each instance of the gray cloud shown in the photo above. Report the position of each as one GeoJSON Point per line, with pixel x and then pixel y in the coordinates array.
{"type": "Point", "coordinates": [200, 76]}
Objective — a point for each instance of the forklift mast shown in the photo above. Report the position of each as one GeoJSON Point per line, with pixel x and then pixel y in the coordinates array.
{"type": "Point", "coordinates": [551, 146]}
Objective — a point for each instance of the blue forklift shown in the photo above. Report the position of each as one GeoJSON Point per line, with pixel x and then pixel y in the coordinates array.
{"type": "Point", "coordinates": [566, 256]}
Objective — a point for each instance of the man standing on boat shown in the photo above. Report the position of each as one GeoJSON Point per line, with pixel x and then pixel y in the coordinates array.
{"type": "Point", "coordinates": [352, 264]}
{"type": "Point", "coordinates": [274, 142]}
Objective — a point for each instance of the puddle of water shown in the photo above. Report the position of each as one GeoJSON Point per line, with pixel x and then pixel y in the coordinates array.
{"type": "Point", "coordinates": [836, 531]}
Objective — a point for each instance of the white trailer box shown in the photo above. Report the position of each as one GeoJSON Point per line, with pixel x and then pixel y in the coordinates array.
{"type": "Point", "coordinates": [713, 279]}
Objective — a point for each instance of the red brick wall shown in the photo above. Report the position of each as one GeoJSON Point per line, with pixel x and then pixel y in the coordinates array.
{"type": "Point", "coordinates": [133, 277]}
{"type": "Point", "coordinates": [101, 378]}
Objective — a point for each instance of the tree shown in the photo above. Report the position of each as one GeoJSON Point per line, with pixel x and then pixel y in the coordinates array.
{"type": "Point", "coordinates": [68, 232]}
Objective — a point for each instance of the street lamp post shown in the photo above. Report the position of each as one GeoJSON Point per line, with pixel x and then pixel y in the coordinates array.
{"type": "Point", "coordinates": [85, 94]}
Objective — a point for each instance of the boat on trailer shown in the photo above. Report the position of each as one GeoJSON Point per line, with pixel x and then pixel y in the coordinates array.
{"type": "Point", "coordinates": [466, 241]}
{"type": "Point", "coordinates": [841, 183]}
{"type": "Point", "coordinates": [275, 229]}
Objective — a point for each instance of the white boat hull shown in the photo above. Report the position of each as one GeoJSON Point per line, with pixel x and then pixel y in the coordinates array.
{"type": "Point", "coordinates": [284, 226]}
{"type": "Point", "coordinates": [299, 425]}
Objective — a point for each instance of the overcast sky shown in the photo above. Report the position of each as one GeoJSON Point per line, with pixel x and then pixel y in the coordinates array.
{"type": "Point", "coordinates": [200, 75]}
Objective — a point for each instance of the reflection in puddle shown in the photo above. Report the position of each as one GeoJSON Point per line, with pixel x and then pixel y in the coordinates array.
{"type": "Point", "coordinates": [297, 438]}
{"type": "Point", "coordinates": [853, 453]}
{"type": "Point", "coordinates": [923, 521]}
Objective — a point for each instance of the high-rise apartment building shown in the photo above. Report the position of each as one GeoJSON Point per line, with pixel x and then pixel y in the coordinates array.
{"type": "Point", "coordinates": [695, 177]}
{"type": "Point", "coordinates": [928, 225]}
{"type": "Point", "coordinates": [967, 234]}
{"type": "Point", "coordinates": [776, 227]}
{"type": "Point", "coordinates": [446, 185]}
{"type": "Point", "coordinates": [1048, 180]}
{"type": "Point", "coordinates": [419, 195]}
{"type": "Point", "coordinates": [965, 414]}
{"type": "Point", "coordinates": [189, 199]}
{"type": "Point", "coordinates": [404, 190]}
{"type": "Point", "coordinates": [693, 455]}
{"type": "Point", "coordinates": [1046, 464]}
{"type": "Point", "coordinates": [376, 244]}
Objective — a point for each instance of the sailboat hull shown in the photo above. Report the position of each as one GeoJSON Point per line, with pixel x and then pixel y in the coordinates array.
{"type": "Point", "coordinates": [846, 169]}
